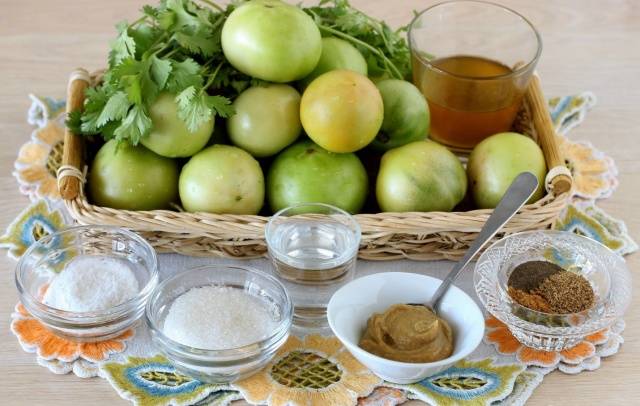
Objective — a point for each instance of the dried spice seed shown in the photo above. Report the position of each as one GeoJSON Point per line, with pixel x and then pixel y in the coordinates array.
{"type": "Point", "coordinates": [567, 292]}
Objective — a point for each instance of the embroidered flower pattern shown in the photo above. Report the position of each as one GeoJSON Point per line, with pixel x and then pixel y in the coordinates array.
{"type": "Point", "coordinates": [569, 111]}
{"type": "Point", "coordinates": [43, 109]}
{"type": "Point", "coordinates": [467, 382]}
{"type": "Point", "coordinates": [314, 371]}
{"type": "Point", "coordinates": [35, 337]}
{"type": "Point", "coordinates": [572, 360]}
{"type": "Point", "coordinates": [155, 382]}
{"type": "Point", "coordinates": [36, 221]}
{"type": "Point", "coordinates": [595, 175]}
{"type": "Point", "coordinates": [38, 160]}
{"type": "Point", "coordinates": [585, 218]}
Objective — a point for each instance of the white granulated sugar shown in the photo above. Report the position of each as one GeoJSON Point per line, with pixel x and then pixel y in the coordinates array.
{"type": "Point", "coordinates": [91, 283]}
{"type": "Point", "coordinates": [218, 317]}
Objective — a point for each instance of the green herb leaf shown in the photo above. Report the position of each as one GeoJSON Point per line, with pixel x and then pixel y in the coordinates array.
{"type": "Point", "coordinates": [150, 11]}
{"type": "Point", "coordinates": [198, 43]}
{"type": "Point", "coordinates": [124, 46]}
{"type": "Point", "coordinates": [136, 125]}
{"type": "Point", "coordinates": [160, 71]}
{"type": "Point", "coordinates": [221, 105]}
{"type": "Point", "coordinates": [95, 100]}
{"type": "Point", "coordinates": [145, 36]}
{"type": "Point", "coordinates": [183, 75]}
{"type": "Point", "coordinates": [193, 108]}
{"type": "Point", "coordinates": [115, 109]}
{"type": "Point", "coordinates": [182, 16]}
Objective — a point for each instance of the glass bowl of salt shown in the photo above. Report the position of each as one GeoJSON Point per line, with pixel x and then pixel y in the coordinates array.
{"type": "Point", "coordinates": [219, 323]}
{"type": "Point", "coordinates": [87, 283]}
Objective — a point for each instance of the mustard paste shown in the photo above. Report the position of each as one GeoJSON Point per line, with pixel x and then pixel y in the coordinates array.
{"type": "Point", "coordinates": [408, 334]}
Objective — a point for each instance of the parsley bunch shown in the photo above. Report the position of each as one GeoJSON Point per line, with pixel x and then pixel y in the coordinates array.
{"type": "Point", "coordinates": [175, 47]}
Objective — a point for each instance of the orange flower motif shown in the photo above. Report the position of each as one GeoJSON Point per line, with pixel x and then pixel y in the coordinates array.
{"type": "Point", "coordinates": [499, 335]}
{"type": "Point", "coordinates": [34, 337]}
{"type": "Point", "coordinates": [38, 160]}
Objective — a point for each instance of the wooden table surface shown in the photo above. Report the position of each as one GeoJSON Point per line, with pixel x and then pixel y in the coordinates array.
{"type": "Point", "coordinates": [588, 45]}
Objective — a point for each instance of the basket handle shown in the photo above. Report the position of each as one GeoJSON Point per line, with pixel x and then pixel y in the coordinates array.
{"type": "Point", "coordinates": [559, 177]}
{"type": "Point", "coordinates": [70, 174]}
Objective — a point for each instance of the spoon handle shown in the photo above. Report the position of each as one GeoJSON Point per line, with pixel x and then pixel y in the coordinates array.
{"type": "Point", "coordinates": [515, 197]}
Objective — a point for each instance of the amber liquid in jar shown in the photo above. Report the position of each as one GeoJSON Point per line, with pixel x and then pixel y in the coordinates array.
{"type": "Point", "coordinates": [469, 97]}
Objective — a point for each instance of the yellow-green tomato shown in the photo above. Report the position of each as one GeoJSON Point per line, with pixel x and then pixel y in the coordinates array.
{"type": "Point", "coordinates": [222, 179]}
{"type": "Point", "coordinates": [420, 176]}
{"type": "Point", "coordinates": [496, 161]}
{"type": "Point", "coordinates": [267, 119]}
{"type": "Point", "coordinates": [169, 135]}
{"type": "Point", "coordinates": [132, 178]}
{"type": "Point", "coordinates": [336, 54]}
{"type": "Point", "coordinates": [341, 111]}
{"type": "Point", "coordinates": [306, 173]}
{"type": "Point", "coordinates": [271, 40]}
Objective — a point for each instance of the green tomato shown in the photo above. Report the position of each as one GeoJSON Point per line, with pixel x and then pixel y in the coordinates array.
{"type": "Point", "coordinates": [267, 119]}
{"type": "Point", "coordinates": [222, 179]}
{"type": "Point", "coordinates": [420, 176]}
{"type": "Point", "coordinates": [169, 135]}
{"type": "Point", "coordinates": [132, 178]}
{"type": "Point", "coordinates": [496, 161]}
{"type": "Point", "coordinates": [336, 54]}
{"type": "Point", "coordinates": [306, 173]}
{"type": "Point", "coordinates": [271, 40]}
{"type": "Point", "coordinates": [406, 115]}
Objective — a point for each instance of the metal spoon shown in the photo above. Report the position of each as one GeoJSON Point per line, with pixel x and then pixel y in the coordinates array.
{"type": "Point", "coordinates": [516, 196]}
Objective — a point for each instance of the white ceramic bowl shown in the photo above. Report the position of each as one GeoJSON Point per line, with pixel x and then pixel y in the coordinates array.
{"type": "Point", "coordinates": [352, 305]}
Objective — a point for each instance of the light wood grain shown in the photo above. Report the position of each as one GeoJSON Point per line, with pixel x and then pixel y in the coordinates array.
{"type": "Point", "coordinates": [588, 45]}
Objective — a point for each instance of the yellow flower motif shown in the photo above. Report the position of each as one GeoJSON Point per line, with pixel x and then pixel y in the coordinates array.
{"type": "Point", "coordinates": [38, 160]}
{"type": "Point", "coordinates": [314, 371]}
{"type": "Point", "coordinates": [594, 173]}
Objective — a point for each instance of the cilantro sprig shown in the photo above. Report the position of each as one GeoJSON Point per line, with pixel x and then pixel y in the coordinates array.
{"type": "Point", "coordinates": [171, 48]}
{"type": "Point", "coordinates": [175, 47]}
{"type": "Point", "coordinates": [385, 50]}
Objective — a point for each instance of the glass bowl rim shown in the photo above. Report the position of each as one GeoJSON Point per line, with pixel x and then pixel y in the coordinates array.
{"type": "Point", "coordinates": [357, 230]}
{"type": "Point", "coordinates": [548, 330]}
{"type": "Point", "coordinates": [81, 318]}
{"type": "Point", "coordinates": [283, 327]}
{"type": "Point", "coordinates": [515, 72]}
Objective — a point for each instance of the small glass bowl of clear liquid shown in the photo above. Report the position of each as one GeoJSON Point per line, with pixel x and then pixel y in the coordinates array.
{"type": "Point", "coordinates": [313, 247]}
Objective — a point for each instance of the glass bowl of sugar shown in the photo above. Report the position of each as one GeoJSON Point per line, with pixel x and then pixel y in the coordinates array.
{"type": "Point", "coordinates": [219, 323]}
{"type": "Point", "coordinates": [87, 283]}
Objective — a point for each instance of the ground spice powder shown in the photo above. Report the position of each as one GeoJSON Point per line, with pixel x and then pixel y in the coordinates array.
{"type": "Point", "coordinates": [546, 287]}
{"type": "Point", "coordinates": [531, 300]}
{"type": "Point", "coordinates": [528, 276]}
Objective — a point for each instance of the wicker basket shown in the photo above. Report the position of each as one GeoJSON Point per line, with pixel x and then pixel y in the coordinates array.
{"type": "Point", "coordinates": [385, 236]}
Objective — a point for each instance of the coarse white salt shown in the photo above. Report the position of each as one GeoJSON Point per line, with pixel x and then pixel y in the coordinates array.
{"type": "Point", "coordinates": [91, 283]}
{"type": "Point", "coordinates": [218, 317]}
